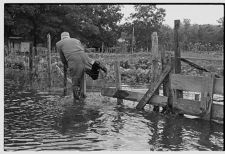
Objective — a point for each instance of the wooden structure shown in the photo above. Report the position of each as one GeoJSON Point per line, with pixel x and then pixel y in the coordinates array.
{"type": "Point", "coordinates": [18, 45]}
{"type": "Point", "coordinates": [155, 70]}
{"type": "Point", "coordinates": [177, 62]}
{"type": "Point", "coordinates": [14, 44]}
{"type": "Point", "coordinates": [173, 86]}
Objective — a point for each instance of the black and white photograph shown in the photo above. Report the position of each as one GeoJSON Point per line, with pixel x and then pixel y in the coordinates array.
{"type": "Point", "coordinates": [112, 76]}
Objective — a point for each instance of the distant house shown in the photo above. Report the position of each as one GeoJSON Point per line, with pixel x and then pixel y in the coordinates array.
{"type": "Point", "coordinates": [122, 43]}
{"type": "Point", "coordinates": [14, 44]}
{"type": "Point", "coordinates": [25, 47]}
{"type": "Point", "coordinates": [17, 45]}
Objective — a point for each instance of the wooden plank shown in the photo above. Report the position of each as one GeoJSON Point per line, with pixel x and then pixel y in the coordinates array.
{"type": "Point", "coordinates": [186, 106]}
{"type": "Point", "coordinates": [118, 79]}
{"type": "Point", "coordinates": [207, 97]}
{"type": "Point", "coordinates": [99, 83]}
{"type": "Point", "coordinates": [194, 83]}
{"type": "Point", "coordinates": [202, 58]}
{"type": "Point", "coordinates": [197, 66]}
{"type": "Point", "coordinates": [186, 82]}
{"type": "Point", "coordinates": [152, 89]}
{"type": "Point", "coordinates": [192, 107]}
{"type": "Point", "coordinates": [133, 96]}
{"type": "Point", "coordinates": [218, 86]}
{"type": "Point", "coordinates": [217, 111]}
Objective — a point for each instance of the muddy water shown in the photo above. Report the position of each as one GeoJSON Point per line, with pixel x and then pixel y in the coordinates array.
{"type": "Point", "coordinates": [38, 121]}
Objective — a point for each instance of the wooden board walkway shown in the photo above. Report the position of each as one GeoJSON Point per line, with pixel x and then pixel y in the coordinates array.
{"type": "Point", "coordinates": [133, 96]}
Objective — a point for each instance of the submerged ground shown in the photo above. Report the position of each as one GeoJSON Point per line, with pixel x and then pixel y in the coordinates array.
{"type": "Point", "coordinates": [34, 120]}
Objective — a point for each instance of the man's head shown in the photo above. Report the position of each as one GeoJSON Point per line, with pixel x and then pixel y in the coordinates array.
{"type": "Point", "coordinates": [65, 35]}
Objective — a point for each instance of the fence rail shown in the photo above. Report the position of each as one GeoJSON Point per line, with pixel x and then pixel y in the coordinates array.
{"type": "Point", "coordinates": [194, 83]}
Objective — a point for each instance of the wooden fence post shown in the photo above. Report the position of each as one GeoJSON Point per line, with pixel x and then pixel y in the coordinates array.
{"type": "Point", "coordinates": [177, 62]}
{"type": "Point", "coordinates": [102, 47]}
{"type": "Point", "coordinates": [49, 60]}
{"type": "Point", "coordinates": [31, 63]}
{"type": "Point", "coordinates": [118, 79]}
{"type": "Point", "coordinates": [155, 63]}
{"type": "Point", "coordinates": [207, 97]}
{"type": "Point", "coordinates": [166, 60]}
{"type": "Point", "coordinates": [170, 90]}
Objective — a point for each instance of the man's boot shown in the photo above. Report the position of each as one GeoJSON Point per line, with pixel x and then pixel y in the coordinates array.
{"type": "Point", "coordinates": [76, 94]}
{"type": "Point", "coordinates": [95, 69]}
{"type": "Point", "coordinates": [98, 65]}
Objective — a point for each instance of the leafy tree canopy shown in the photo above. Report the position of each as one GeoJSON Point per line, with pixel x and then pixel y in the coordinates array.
{"type": "Point", "coordinates": [145, 20]}
{"type": "Point", "coordinates": [93, 24]}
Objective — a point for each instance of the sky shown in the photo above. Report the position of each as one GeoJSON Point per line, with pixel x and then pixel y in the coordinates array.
{"type": "Point", "coordinates": [198, 14]}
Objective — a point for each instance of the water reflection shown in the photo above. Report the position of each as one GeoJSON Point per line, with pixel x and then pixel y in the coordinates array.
{"type": "Point", "coordinates": [36, 121]}
{"type": "Point", "coordinates": [171, 135]}
{"type": "Point", "coordinates": [180, 133]}
{"type": "Point", "coordinates": [118, 122]}
{"type": "Point", "coordinates": [76, 119]}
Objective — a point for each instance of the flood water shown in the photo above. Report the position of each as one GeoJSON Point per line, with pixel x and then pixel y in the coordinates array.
{"type": "Point", "coordinates": [38, 121]}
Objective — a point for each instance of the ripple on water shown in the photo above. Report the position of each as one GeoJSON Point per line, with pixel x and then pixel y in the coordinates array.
{"type": "Point", "coordinates": [41, 122]}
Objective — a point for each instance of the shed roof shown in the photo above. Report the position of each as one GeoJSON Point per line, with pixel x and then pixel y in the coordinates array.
{"type": "Point", "coordinates": [15, 37]}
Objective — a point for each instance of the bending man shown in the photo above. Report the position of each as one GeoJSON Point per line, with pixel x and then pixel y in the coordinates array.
{"type": "Point", "coordinates": [73, 57]}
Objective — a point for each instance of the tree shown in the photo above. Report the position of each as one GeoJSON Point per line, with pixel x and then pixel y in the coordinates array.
{"type": "Point", "coordinates": [108, 17]}
{"type": "Point", "coordinates": [32, 21]}
{"type": "Point", "coordinates": [221, 31]}
{"type": "Point", "coordinates": [221, 21]}
{"type": "Point", "coordinates": [146, 19]}
{"type": "Point", "coordinates": [93, 24]}
{"type": "Point", "coordinates": [186, 33]}
{"type": "Point", "coordinates": [126, 30]}
{"type": "Point", "coordinates": [166, 37]}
